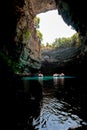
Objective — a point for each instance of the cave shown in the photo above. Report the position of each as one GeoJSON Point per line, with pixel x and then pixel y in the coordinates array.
{"type": "Point", "coordinates": [19, 47]}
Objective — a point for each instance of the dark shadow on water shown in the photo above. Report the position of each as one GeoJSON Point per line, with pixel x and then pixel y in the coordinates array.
{"type": "Point", "coordinates": [28, 104]}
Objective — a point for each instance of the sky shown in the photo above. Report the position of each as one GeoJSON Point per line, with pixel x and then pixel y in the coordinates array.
{"type": "Point", "coordinates": [52, 26]}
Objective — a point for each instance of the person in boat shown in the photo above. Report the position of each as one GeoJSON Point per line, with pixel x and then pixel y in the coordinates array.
{"type": "Point", "coordinates": [55, 75]}
{"type": "Point", "coordinates": [62, 74]}
{"type": "Point", "coordinates": [40, 74]}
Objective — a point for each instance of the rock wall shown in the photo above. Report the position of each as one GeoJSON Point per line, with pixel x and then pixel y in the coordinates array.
{"type": "Point", "coordinates": [19, 42]}
{"type": "Point", "coordinates": [74, 14]}
{"type": "Point", "coordinates": [30, 56]}
{"type": "Point", "coordinates": [40, 6]}
{"type": "Point", "coordinates": [26, 34]}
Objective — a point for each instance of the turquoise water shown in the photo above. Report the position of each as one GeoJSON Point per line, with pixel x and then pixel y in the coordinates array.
{"type": "Point", "coordinates": [46, 77]}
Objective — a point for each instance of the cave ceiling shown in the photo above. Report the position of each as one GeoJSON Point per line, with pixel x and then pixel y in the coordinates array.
{"type": "Point", "coordinates": [40, 6]}
{"type": "Point", "coordinates": [73, 13]}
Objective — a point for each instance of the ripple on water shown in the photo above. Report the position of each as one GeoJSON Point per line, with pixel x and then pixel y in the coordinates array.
{"type": "Point", "coordinates": [55, 116]}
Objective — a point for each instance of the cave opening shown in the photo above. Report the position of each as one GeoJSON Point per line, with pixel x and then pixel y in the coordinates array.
{"type": "Point", "coordinates": [60, 46]}
{"type": "Point", "coordinates": [52, 26]}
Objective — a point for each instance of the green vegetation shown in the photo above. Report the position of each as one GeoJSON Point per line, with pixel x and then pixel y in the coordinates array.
{"type": "Point", "coordinates": [36, 26]}
{"type": "Point", "coordinates": [63, 42]}
{"type": "Point", "coordinates": [58, 42]}
{"type": "Point", "coordinates": [36, 22]}
{"type": "Point", "coordinates": [39, 34]}
{"type": "Point", "coordinates": [26, 34]}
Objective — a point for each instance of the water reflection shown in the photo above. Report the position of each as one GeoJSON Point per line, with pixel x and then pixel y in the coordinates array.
{"type": "Point", "coordinates": [58, 81]}
{"type": "Point", "coordinates": [40, 79]}
{"type": "Point", "coordinates": [55, 81]}
{"type": "Point", "coordinates": [54, 116]}
{"type": "Point", "coordinates": [62, 81]}
{"type": "Point", "coordinates": [50, 103]}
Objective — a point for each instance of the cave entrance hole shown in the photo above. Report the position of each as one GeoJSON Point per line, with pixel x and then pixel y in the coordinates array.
{"type": "Point", "coordinates": [54, 29]}
{"type": "Point", "coordinates": [52, 26]}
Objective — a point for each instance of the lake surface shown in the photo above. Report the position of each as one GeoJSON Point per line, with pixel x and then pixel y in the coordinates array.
{"type": "Point", "coordinates": [53, 103]}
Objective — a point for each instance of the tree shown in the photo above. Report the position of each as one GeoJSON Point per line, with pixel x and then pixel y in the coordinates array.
{"type": "Point", "coordinates": [39, 34]}
{"type": "Point", "coordinates": [36, 22]}
{"type": "Point", "coordinates": [36, 25]}
{"type": "Point", "coordinates": [66, 42]}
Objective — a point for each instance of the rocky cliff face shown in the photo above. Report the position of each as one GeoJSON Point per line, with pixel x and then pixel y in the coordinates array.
{"type": "Point", "coordinates": [56, 60]}
{"type": "Point", "coordinates": [27, 33]}
{"type": "Point", "coordinates": [74, 14]}
{"type": "Point", "coordinates": [19, 42]}
{"type": "Point", "coordinates": [40, 6]}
